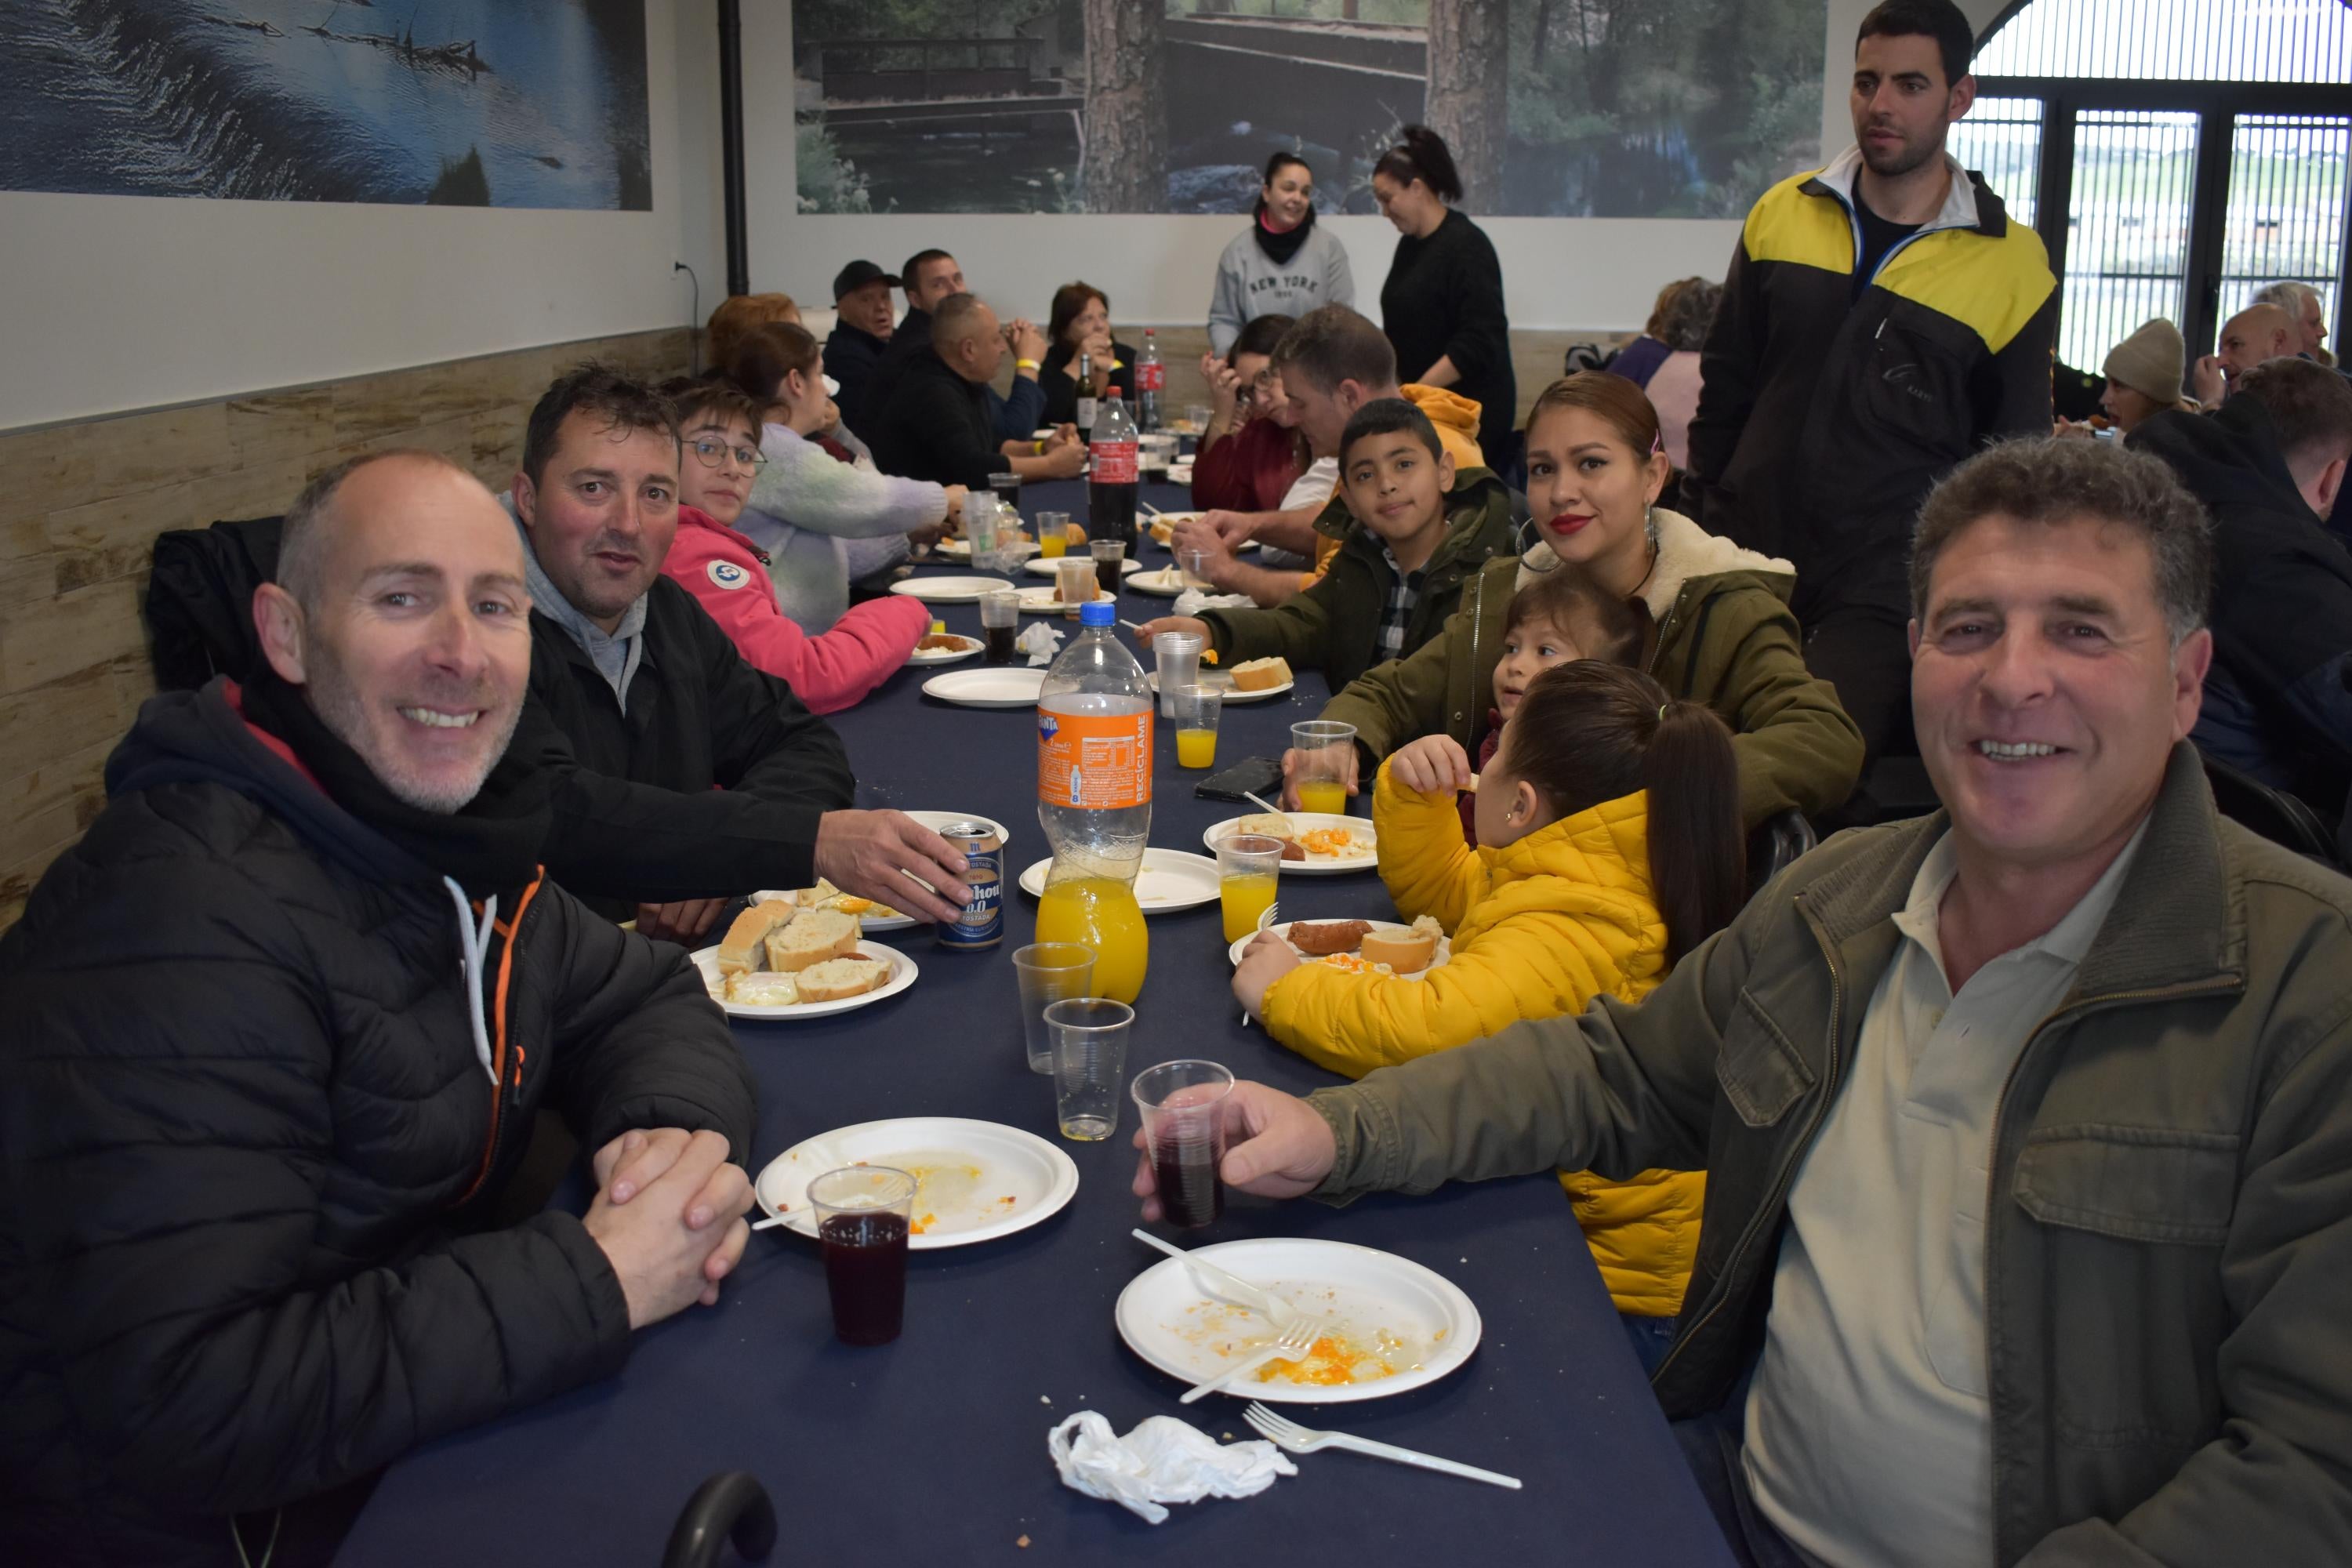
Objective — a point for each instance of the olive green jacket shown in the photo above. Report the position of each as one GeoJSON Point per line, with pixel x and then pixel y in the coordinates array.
{"type": "Point", "coordinates": [1335, 624]}
{"type": "Point", "coordinates": [1725, 638]}
{"type": "Point", "coordinates": [2169, 1246]}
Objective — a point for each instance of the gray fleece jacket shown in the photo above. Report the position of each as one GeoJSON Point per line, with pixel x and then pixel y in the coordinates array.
{"type": "Point", "coordinates": [1250, 284]}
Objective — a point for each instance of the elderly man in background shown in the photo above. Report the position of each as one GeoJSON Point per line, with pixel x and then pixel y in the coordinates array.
{"type": "Point", "coordinates": [278, 1028]}
{"type": "Point", "coordinates": [2302, 303]}
{"type": "Point", "coordinates": [936, 423]}
{"type": "Point", "coordinates": [2027, 1126]}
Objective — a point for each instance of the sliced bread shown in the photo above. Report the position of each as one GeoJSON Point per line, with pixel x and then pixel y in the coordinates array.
{"type": "Point", "coordinates": [740, 949]}
{"type": "Point", "coordinates": [1260, 674]}
{"type": "Point", "coordinates": [813, 936]}
{"type": "Point", "coordinates": [837, 978]}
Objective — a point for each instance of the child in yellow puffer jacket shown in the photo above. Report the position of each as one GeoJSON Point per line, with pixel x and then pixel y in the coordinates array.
{"type": "Point", "coordinates": [1609, 844]}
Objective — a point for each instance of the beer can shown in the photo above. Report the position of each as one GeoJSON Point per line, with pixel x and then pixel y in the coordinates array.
{"type": "Point", "coordinates": [981, 924]}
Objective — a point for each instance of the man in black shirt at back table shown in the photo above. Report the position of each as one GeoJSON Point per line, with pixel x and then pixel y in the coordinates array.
{"type": "Point", "coordinates": [935, 424]}
{"type": "Point", "coordinates": [1882, 319]}
{"type": "Point", "coordinates": [682, 775]}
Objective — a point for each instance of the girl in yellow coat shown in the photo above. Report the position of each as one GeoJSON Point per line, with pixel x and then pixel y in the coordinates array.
{"type": "Point", "coordinates": [1609, 844]}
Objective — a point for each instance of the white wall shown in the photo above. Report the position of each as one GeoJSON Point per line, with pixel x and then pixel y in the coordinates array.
{"type": "Point", "coordinates": [1571, 273]}
{"type": "Point", "coordinates": [109, 303]}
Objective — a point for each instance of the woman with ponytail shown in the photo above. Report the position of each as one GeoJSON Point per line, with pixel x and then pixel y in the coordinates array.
{"type": "Point", "coordinates": [1442, 305]}
{"type": "Point", "coordinates": [1609, 846]}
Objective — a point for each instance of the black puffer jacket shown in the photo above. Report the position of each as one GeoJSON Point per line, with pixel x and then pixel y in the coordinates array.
{"type": "Point", "coordinates": [243, 1126]}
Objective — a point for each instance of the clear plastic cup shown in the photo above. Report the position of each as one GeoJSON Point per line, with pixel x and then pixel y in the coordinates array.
{"type": "Point", "coordinates": [864, 1214]}
{"type": "Point", "coordinates": [1248, 867]}
{"type": "Point", "coordinates": [1053, 533]}
{"type": "Point", "coordinates": [1047, 972]}
{"type": "Point", "coordinates": [1192, 566]}
{"type": "Point", "coordinates": [1090, 1037]}
{"type": "Point", "coordinates": [1196, 709]}
{"type": "Point", "coordinates": [1110, 562]}
{"type": "Point", "coordinates": [1073, 583]}
{"type": "Point", "coordinates": [1176, 659]}
{"type": "Point", "coordinates": [1322, 774]}
{"type": "Point", "coordinates": [1184, 1134]}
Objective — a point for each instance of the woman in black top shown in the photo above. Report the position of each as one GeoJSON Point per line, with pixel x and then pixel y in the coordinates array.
{"type": "Point", "coordinates": [1081, 319]}
{"type": "Point", "coordinates": [1442, 306]}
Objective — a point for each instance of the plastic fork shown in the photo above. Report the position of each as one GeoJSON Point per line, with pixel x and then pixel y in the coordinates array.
{"type": "Point", "coordinates": [1298, 1439]}
{"type": "Point", "coordinates": [1221, 1285]}
{"type": "Point", "coordinates": [1293, 1342]}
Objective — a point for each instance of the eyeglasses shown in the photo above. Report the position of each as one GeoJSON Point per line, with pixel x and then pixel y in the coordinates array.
{"type": "Point", "coordinates": [712, 452]}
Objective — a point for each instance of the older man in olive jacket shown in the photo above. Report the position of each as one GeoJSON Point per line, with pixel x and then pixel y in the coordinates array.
{"type": "Point", "coordinates": [2028, 1126]}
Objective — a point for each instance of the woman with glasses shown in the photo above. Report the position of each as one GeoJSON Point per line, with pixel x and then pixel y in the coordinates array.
{"type": "Point", "coordinates": [729, 574]}
{"type": "Point", "coordinates": [1252, 452]}
{"type": "Point", "coordinates": [824, 514]}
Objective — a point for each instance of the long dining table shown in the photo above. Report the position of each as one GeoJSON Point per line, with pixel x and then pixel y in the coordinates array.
{"type": "Point", "coordinates": [932, 1449]}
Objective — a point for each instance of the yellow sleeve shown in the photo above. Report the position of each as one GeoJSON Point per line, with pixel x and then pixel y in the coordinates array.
{"type": "Point", "coordinates": [1546, 965]}
{"type": "Point", "coordinates": [1429, 867]}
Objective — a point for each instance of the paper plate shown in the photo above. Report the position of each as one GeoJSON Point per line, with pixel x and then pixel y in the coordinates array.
{"type": "Point", "coordinates": [922, 657]}
{"type": "Point", "coordinates": [948, 590]}
{"type": "Point", "coordinates": [977, 1180]}
{"type": "Point", "coordinates": [1390, 1309]}
{"type": "Point", "coordinates": [1005, 686]}
{"type": "Point", "coordinates": [1235, 695]}
{"type": "Point", "coordinates": [935, 820]}
{"type": "Point", "coordinates": [960, 549]}
{"type": "Point", "coordinates": [902, 975]}
{"type": "Point", "coordinates": [1282, 928]}
{"type": "Point", "coordinates": [1164, 584]}
{"type": "Point", "coordinates": [867, 924]}
{"type": "Point", "coordinates": [1042, 601]}
{"type": "Point", "coordinates": [1041, 567]}
{"type": "Point", "coordinates": [1171, 879]}
{"type": "Point", "coordinates": [1366, 859]}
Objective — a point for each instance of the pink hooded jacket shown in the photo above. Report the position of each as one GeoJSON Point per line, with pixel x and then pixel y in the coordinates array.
{"type": "Point", "coordinates": [728, 575]}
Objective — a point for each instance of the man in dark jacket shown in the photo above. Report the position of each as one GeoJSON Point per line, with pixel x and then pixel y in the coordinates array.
{"type": "Point", "coordinates": [936, 422]}
{"type": "Point", "coordinates": [1881, 319]}
{"type": "Point", "coordinates": [683, 775]}
{"type": "Point", "coordinates": [276, 1031]}
{"type": "Point", "coordinates": [2268, 464]}
{"type": "Point", "coordinates": [932, 277]}
{"type": "Point", "coordinates": [2027, 1125]}
{"type": "Point", "coordinates": [861, 300]}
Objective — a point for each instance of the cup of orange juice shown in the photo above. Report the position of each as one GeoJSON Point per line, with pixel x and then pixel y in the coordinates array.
{"type": "Point", "coordinates": [1052, 534]}
{"type": "Point", "coordinates": [1248, 865]}
{"type": "Point", "coordinates": [1196, 709]}
{"type": "Point", "coordinates": [1324, 749]}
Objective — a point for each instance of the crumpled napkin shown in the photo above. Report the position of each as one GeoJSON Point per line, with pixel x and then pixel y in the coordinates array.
{"type": "Point", "coordinates": [1192, 601]}
{"type": "Point", "coordinates": [1040, 642]}
{"type": "Point", "coordinates": [1163, 1460]}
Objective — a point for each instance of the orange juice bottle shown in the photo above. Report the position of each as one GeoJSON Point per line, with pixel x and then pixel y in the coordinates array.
{"type": "Point", "coordinates": [1099, 912]}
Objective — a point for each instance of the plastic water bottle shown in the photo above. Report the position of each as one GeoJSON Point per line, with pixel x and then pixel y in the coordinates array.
{"type": "Point", "coordinates": [1151, 384]}
{"type": "Point", "coordinates": [1113, 455]}
{"type": "Point", "coordinates": [1094, 800]}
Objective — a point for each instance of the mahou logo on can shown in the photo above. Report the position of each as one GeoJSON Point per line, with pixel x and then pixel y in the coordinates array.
{"type": "Point", "coordinates": [981, 924]}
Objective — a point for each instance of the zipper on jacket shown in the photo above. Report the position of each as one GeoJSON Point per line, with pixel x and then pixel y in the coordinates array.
{"type": "Point", "coordinates": [1992, 1160]}
{"type": "Point", "coordinates": [1788, 1174]}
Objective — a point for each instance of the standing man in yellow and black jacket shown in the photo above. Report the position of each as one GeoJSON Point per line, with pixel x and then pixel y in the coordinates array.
{"type": "Point", "coordinates": [1881, 319]}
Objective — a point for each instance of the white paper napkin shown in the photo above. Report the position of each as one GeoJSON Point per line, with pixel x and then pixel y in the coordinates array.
{"type": "Point", "coordinates": [1040, 642]}
{"type": "Point", "coordinates": [1192, 601]}
{"type": "Point", "coordinates": [1163, 1460]}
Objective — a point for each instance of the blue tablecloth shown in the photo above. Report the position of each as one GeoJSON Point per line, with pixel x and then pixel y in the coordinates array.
{"type": "Point", "coordinates": [932, 1450]}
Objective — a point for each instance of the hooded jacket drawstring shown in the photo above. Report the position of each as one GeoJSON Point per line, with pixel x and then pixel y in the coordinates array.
{"type": "Point", "coordinates": [475, 942]}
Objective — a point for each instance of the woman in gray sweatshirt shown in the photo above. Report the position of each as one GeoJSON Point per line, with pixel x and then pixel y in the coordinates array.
{"type": "Point", "coordinates": [1283, 265]}
{"type": "Point", "coordinates": [819, 492]}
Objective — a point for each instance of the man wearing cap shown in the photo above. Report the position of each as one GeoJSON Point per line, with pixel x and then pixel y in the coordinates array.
{"type": "Point", "coordinates": [861, 294]}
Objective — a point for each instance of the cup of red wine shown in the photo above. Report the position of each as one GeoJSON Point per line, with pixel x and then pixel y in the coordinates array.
{"type": "Point", "coordinates": [863, 1216]}
{"type": "Point", "coordinates": [1182, 1105]}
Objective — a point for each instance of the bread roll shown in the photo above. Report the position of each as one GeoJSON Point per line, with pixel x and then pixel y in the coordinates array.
{"type": "Point", "coordinates": [739, 950]}
{"type": "Point", "coordinates": [1260, 674]}
{"type": "Point", "coordinates": [838, 978]}
{"type": "Point", "coordinates": [814, 937]}
{"type": "Point", "coordinates": [1404, 952]}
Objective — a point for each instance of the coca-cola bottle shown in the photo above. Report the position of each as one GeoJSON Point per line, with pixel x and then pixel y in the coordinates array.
{"type": "Point", "coordinates": [1110, 487]}
{"type": "Point", "coordinates": [1150, 382]}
